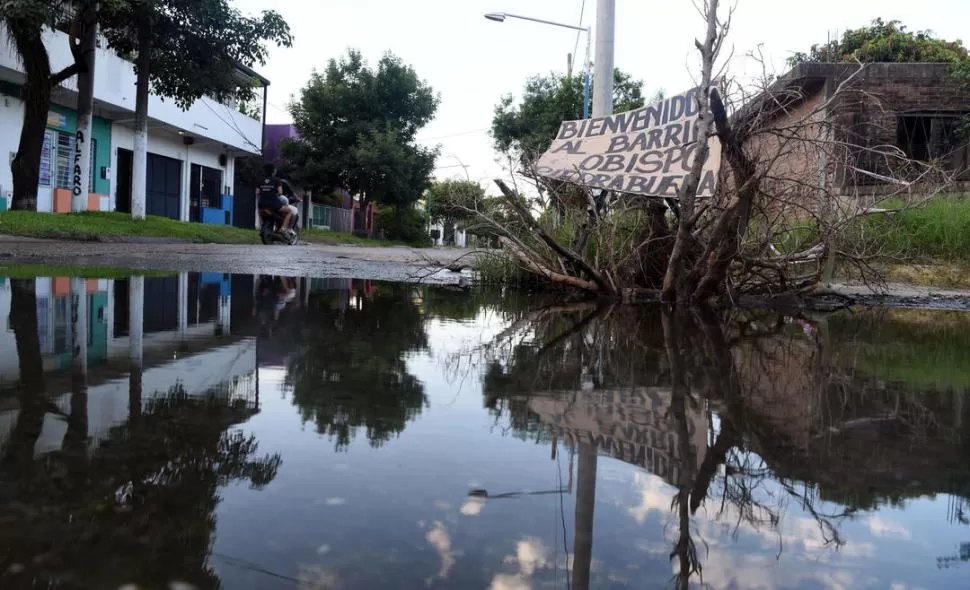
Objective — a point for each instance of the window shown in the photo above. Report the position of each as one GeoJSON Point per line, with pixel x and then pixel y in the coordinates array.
{"type": "Point", "coordinates": [62, 325]}
{"type": "Point", "coordinates": [46, 159]}
{"type": "Point", "coordinates": [925, 137]}
{"type": "Point", "coordinates": [63, 160]}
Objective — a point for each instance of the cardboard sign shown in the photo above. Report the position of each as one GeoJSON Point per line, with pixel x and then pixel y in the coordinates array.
{"type": "Point", "coordinates": [647, 151]}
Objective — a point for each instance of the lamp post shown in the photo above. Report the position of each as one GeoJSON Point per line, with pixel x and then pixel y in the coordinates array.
{"type": "Point", "coordinates": [500, 17]}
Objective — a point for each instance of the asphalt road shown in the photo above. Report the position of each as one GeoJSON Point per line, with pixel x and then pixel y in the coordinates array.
{"type": "Point", "coordinates": [391, 264]}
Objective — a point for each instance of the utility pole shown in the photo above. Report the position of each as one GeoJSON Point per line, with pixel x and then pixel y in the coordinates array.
{"type": "Point", "coordinates": [81, 177]}
{"type": "Point", "coordinates": [603, 80]}
{"type": "Point", "coordinates": [603, 60]}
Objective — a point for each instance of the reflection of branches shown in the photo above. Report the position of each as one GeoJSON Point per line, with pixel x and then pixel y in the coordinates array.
{"type": "Point", "coordinates": [778, 387]}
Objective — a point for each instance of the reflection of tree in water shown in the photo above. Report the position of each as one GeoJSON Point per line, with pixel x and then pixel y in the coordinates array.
{"type": "Point", "coordinates": [350, 372]}
{"type": "Point", "coordinates": [798, 425]}
{"type": "Point", "coordinates": [138, 509]}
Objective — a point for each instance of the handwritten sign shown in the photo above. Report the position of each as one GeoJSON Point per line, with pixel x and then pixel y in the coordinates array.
{"type": "Point", "coordinates": [78, 183]}
{"type": "Point", "coordinates": [647, 151]}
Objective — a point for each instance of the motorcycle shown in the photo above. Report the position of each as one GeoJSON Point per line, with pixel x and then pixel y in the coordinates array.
{"type": "Point", "coordinates": [270, 227]}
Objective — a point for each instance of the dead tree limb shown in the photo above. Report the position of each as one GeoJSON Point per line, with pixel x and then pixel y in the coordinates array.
{"type": "Point", "coordinates": [603, 286]}
{"type": "Point", "coordinates": [675, 285]}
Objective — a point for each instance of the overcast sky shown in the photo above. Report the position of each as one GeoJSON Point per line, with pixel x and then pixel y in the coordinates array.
{"type": "Point", "coordinates": [471, 62]}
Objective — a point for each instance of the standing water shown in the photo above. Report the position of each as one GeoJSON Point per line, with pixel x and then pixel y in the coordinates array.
{"type": "Point", "coordinates": [238, 432]}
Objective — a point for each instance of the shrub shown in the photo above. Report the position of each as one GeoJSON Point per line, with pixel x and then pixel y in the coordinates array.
{"type": "Point", "coordinates": [404, 225]}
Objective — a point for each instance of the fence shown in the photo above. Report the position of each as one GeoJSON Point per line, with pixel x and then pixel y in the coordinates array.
{"type": "Point", "coordinates": [332, 218]}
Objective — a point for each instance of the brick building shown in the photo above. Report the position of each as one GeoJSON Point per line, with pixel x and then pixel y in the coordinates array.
{"type": "Point", "coordinates": [915, 108]}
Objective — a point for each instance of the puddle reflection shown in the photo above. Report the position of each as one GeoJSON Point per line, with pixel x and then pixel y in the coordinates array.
{"type": "Point", "coordinates": [271, 432]}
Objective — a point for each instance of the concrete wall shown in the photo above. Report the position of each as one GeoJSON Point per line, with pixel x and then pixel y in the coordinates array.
{"type": "Point", "coordinates": [869, 114]}
{"type": "Point", "coordinates": [864, 113]}
{"type": "Point", "coordinates": [115, 87]}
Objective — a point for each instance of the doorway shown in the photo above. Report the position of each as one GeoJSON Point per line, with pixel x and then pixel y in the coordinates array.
{"type": "Point", "coordinates": [123, 181]}
{"type": "Point", "coordinates": [205, 190]}
{"type": "Point", "coordinates": [164, 191]}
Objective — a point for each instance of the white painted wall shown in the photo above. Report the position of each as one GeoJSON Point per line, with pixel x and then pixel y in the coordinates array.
{"type": "Point", "coordinates": [11, 118]}
{"type": "Point", "coordinates": [115, 85]}
{"type": "Point", "coordinates": [170, 145]}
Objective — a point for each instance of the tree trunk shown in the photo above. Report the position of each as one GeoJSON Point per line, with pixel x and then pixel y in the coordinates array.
{"type": "Point", "coordinates": [656, 246]}
{"type": "Point", "coordinates": [677, 282]}
{"type": "Point", "coordinates": [25, 167]}
{"type": "Point", "coordinates": [139, 167]}
{"type": "Point", "coordinates": [38, 83]}
{"type": "Point", "coordinates": [19, 453]}
{"type": "Point", "coordinates": [727, 232]}
{"type": "Point", "coordinates": [85, 107]}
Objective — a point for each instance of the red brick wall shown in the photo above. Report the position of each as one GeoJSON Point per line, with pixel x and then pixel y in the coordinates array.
{"type": "Point", "coordinates": [868, 114]}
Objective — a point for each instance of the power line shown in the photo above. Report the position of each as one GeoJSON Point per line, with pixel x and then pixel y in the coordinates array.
{"type": "Point", "coordinates": [231, 125]}
{"type": "Point", "coordinates": [460, 133]}
{"type": "Point", "coordinates": [582, 14]}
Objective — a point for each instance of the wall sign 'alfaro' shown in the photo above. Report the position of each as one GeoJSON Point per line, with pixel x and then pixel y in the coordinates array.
{"type": "Point", "coordinates": [78, 183]}
{"type": "Point", "coordinates": [647, 151]}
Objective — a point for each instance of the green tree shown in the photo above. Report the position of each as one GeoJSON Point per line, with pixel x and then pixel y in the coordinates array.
{"type": "Point", "coordinates": [357, 126]}
{"type": "Point", "coordinates": [184, 50]}
{"type": "Point", "coordinates": [26, 21]}
{"type": "Point", "coordinates": [527, 128]}
{"type": "Point", "coordinates": [884, 41]}
{"type": "Point", "coordinates": [452, 202]}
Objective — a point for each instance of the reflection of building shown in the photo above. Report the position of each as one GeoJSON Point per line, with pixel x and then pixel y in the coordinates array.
{"type": "Point", "coordinates": [632, 425]}
{"type": "Point", "coordinates": [54, 325]}
{"type": "Point", "coordinates": [187, 343]}
{"type": "Point", "coordinates": [178, 308]}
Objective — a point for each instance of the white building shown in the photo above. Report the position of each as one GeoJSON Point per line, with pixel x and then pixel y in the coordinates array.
{"type": "Point", "coordinates": [461, 239]}
{"type": "Point", "coordinates": [191, 153]}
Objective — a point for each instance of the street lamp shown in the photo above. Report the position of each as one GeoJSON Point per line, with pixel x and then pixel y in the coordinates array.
{"type": "Point", "coordinates": [500, 17]}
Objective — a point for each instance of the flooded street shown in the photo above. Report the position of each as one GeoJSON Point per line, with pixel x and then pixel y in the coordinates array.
{"type": "Point", "coordinates": [207, 430]}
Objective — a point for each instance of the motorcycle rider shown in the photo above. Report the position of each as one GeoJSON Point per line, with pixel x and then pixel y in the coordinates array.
{"type": "Point", "coordinates": [270, 195]}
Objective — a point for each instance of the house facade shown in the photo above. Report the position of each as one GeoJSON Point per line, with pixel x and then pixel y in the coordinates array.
{"type": "Point", "coordinates": [275, 134]}
{"type": "Point", "coordinates": [871, 130]}
{"type": "Point", "coordinates": [192, 153]}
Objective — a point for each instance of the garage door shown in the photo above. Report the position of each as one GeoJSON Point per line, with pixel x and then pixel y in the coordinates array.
{"type": "Point", "coordinates": [164, 194]}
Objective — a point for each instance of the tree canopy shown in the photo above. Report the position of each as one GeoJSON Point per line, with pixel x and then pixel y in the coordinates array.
{"type": "Point", "coordinates": [529, 126]}
{"type": "Point", "coordinates": [196, 45]}
{"type": "Point", "coordinates": [884, 41]}
{"type": "Point", "coordinates": [357, 126]}
{"type": "Point", "coordinates": [451, 201]}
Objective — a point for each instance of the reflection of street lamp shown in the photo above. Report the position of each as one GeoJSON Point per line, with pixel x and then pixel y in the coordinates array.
{"type": "Point", "coordinates": [500, 17]}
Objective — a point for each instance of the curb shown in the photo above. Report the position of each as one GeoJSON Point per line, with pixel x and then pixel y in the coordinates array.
{"type": "Point", "coordinates": [141, 240]}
